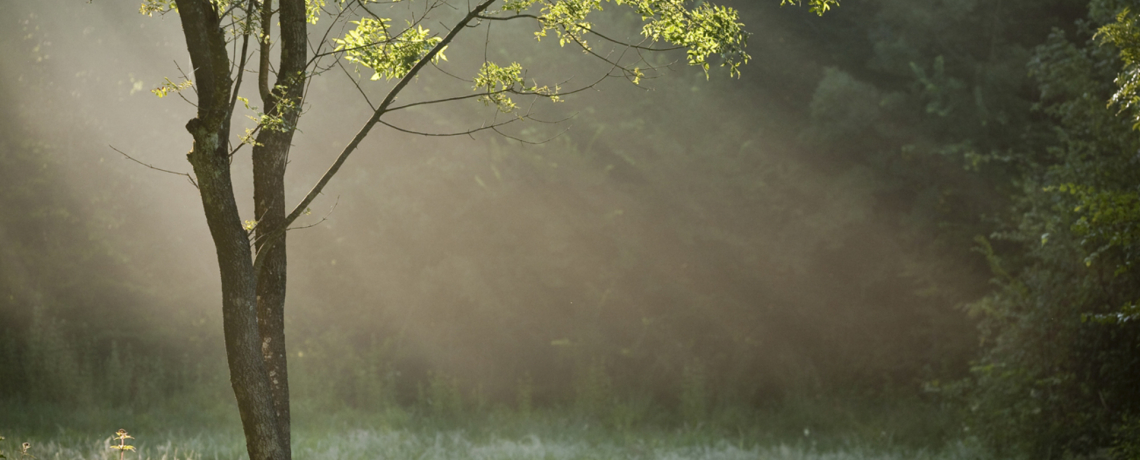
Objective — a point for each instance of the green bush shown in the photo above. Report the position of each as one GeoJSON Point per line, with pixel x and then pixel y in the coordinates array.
{"type": "Point", "coordinates": [1059, 369]}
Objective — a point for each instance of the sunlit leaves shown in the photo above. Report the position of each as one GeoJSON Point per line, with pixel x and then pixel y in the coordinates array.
{"type": "Point", "coordinates": [568, 19]}
{"type": "Point", "coordinates": [495, 81]}
{"type": "Point", "coordinates": [705, 30]}
{"type": "Point", "coordinates": [1125, 35]}
{"type": "Point", "coordinates": [517, 6]}
{"type": "Point", "coordinates": [372, 45]}
{"type": "Point", "coordinates": [815, 6]}
{"type": "Point", "coordinates": [149, 7]}
{"type": "Point", "coordinates": [171, 87]}
{"type": "Point", "coordinates": [313, 10]}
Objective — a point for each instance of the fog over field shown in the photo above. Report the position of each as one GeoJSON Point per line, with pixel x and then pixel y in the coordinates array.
{"type": "Point", "coordinates": [839, 246]}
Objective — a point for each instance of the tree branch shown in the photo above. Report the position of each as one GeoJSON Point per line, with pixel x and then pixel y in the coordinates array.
{"type": "Point", "coordinates": [187, 175]}
{"type": "Point", "coordinates": [263, 53]}
{"type": "Point", "coordinates": [241, 66]}
{"type": "Point", "coordinates": [382, 109]}
{"type": "Point", "coordinates": [461, 133]}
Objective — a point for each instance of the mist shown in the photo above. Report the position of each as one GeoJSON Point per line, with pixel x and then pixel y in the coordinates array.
{"type": "Point", "coordinates": [659, 226]}
{"type": "Point", "coordinates": [753, 240]}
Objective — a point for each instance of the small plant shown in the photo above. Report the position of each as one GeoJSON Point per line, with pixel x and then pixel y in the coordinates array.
{"type": "Point", "coordinates": [122, 437]}
{"type": "Point", "coordinates": [23, 450]}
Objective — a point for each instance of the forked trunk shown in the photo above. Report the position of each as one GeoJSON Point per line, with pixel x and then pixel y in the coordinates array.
{"type": "Point", "coordinates": [210, 158]}
{"type": "Point", "coordinates": [270, 156]}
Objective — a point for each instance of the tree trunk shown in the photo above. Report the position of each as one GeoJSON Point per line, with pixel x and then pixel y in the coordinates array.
{"type": "Point", "coordinates": [209, 156]}
{"type": "Point", "coordinates": [270, 156]}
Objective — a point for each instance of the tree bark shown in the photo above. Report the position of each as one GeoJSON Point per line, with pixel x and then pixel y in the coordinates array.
{"type": "Point", "coordinates": [209, 156]}
{"type": "Point", "coordinates": [270, 157]}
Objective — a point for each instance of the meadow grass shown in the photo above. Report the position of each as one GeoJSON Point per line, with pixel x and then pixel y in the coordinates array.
{"type": "Point", "coordinates": [394, 444]}
{"type": "Point", "coordinates": [398, 434]}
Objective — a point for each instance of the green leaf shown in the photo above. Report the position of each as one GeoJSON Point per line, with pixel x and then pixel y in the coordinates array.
{"type": "Point", "coordinates": [815, 6]}
{"type": "Point", "coordinates": [391, 56]}
{"type": "Point", "coordinates": [313, 10]}
{"type": "Point", "coordinates": [168, 87]}
{"type": "Point", "coordinates": [497, 82]}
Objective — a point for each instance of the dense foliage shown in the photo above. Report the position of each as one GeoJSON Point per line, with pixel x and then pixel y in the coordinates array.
{"type": "Point", "coordinates": [1060, 369]}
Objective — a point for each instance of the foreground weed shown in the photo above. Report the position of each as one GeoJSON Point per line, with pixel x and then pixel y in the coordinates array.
{"type": "Point", "coordinates": [122, 437]}
{"type": "Point", "coordinates": [23, 450]}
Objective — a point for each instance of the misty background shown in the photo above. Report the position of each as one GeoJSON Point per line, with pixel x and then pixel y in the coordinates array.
{"type": "Point", "coordinates": [802, 236]}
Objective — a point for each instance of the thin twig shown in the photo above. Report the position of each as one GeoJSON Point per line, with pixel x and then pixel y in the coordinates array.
{"type": "Point", "coordinates": [186, 78]}
{"type": "Point", "coordinates": [187, 175]}
{"type": "Point", "coordinates": [508, 18]}
{"type": "Point", "coordinates": [326, 217]}
{"type": "Point", "coordinates": [459, 133]}
{"type": "Point", "coordinates": [356, 84]}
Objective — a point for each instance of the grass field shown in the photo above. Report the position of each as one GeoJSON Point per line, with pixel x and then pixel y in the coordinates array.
{"type": "Point", "coordinates": [404, 444]}
{"type": "Point", "coordinates": [348, 435]}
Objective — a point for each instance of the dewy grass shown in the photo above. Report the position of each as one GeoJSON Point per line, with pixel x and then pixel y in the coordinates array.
{"type": "Point", "coordinates": [546, 443]}
{"type": "Point", "coordinates": [182, 432]}
{"type": "Point", "coordinates": [456, 445]}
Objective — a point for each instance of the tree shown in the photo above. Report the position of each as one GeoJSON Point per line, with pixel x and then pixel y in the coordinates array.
{"type": "Point", "coordinates": [251, 255]}
{"type": "Point", "coordinates": [1058, 369]}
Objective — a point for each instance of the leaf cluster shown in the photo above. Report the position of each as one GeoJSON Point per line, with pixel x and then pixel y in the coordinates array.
{"type": "Point", "coordinates": [1124, 34]}
{"type": "Point", "coordinates": [372, 45]}
{"type": "Point", "coordinates": [497, 83]}
{"type": "Point", "coordinates": [704, 30]}
{"type": "Point", "coordinates": [168, 87]}
{"type": "Point", "coordinates": [150, 7]}
{"type": "Point", "coordinates": [815, 6]}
